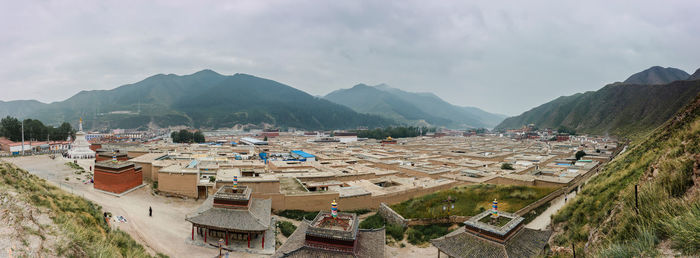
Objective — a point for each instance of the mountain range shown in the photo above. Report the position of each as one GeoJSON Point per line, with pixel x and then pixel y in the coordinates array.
{"type": "Point", "coordinates": [204, 99]}
{"type": "Point", "coordinates": [641, 103]}
{"type": "Point", "coordinates": [423, 109]}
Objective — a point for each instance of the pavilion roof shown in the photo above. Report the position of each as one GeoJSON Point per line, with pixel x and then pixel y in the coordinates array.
{"type": "Point", "coordinates": [461, 243]}
{"type": "Point", "coordinates": [256, 218]}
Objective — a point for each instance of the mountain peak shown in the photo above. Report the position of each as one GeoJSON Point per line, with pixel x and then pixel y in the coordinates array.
{"type": "Point", "coordinates": [695, 76]}
{"type": "Point", "coordinates": [206, 72]}
{"type": "Point", "coordinates": [657, 75]}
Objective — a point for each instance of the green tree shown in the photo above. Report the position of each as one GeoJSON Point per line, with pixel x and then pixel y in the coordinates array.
{"type": "Point", "coordinates": [580, 154]}
{"type": "Point", "coordinates": [507, 166]}
{"type": "Point", "coordinates": [11, 128]}
{"type": "Point", "coordinates": [198, 137]}
{"type": "Point", "coordinates": [175, 136]}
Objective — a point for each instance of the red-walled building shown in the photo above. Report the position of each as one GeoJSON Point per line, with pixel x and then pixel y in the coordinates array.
{"type": "Point", "coordinates": [117, 177]}
{"type": "Point", "coordinates": [108, 155]}
{"type": "Point", "coordinates": [562, 137]}
{"type": "Point", "coordinates": [95, 146]}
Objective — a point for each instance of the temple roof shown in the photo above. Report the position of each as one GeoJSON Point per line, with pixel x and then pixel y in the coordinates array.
{"type": "Point", "coordinates": [370, 243]}
{"type": "Point", "coordinates": [461, 243]}
{"type": "Point", "coordinates": [256, 218]}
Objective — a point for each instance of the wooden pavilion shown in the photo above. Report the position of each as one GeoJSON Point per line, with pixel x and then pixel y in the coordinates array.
{"type": "Point", "coordinates": [231, 214]}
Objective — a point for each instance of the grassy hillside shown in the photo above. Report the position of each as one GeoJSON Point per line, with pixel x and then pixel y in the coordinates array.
{"type": "Point", "coordinates": [80, 224]}
{"type": "Point", "coordinates": [665, 165]}
{"type": "Point", "coordinates": [618, 109]}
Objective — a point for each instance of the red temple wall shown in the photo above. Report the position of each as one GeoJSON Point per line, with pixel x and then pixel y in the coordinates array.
{"type": "Point", "coordinates": [117, 182]}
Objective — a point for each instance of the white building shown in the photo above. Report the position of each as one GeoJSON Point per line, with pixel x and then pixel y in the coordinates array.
{"type": "Point", "coordinates": [80, 148]}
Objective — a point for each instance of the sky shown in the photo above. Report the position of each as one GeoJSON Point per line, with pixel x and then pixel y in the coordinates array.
{"type": "Point", "coordinates": [502, 56]}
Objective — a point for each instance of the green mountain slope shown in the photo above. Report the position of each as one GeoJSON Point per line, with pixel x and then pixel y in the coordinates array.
{"type": "Point", "coordinates": [19, 107]}
{"type": "Point", "coordinates": [603, 220]}
{"type": "Point", "coordinates": [202, 99]}
{"type": "Point", "coordinates": [412, 108]}
{"type": "Point", "coordinates": [242, 99]}
{"type": "Point", "coordinates": [619, 109]}
{"type": "Point", "coordinates": [657, 75]}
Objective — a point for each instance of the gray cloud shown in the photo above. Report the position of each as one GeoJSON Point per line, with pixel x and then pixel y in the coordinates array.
{"type": "Point", "coordinates": [503, 57]}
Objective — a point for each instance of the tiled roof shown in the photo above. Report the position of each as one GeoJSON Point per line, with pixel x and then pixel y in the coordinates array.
{"type": "Point", "coordinates": [256, 218]}
{"type": "Point", "coordinates": [370, 244]}
{"type": "Point", "coordinates": [526, 243]}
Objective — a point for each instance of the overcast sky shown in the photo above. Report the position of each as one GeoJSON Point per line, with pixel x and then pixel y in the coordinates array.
{"type": "Point", "coordinates": [502, 56]}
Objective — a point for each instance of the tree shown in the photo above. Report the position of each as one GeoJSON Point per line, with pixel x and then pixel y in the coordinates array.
{"type": "Point", "coordinates": [198, 137]}
{"type": "Point", "coordinates": [265, 138]}
{"type": "Point", "coordinates": [580, 154]}
{"type": "Point", "coordinates": [11, 128]}
{"type": "Point", "coordinates": [175, 136]}
{"type": "Point", "coordinates": [507, 166]}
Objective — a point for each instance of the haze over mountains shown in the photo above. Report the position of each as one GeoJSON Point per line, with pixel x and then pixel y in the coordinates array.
{"type": "Point", "coordinates": [207, 99]}
{"type": "Point", "coordinates": [641, 103]}
{"type": "Point", "coordinates": [412, 108]}
{"type": "Point", "coordinates": [204, 99]}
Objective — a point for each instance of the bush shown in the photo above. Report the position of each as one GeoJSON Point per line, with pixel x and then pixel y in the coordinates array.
{"type": "Point", "coordinates": [298, 214]}
{"type": "Point", "coordinates": [286, 227]}
{"type": "Point", "coordinates": [507, 166]}
{"type": "Point", "coordinates": [359, 211]}
{"type": "Point", "coordinates": [395, 231]}
{"type": "Point", "coordinates": [422, 234]}
{"type": "Point", "coordinates": [373, 222]}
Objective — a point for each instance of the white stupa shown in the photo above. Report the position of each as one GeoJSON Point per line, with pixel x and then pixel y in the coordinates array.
{"type": "Point", "coordinates": [80, 148]}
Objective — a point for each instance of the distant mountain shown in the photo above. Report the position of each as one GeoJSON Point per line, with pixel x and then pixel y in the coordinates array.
{"type": "Point", "coordinates": [412, 108]}
{"type": "Point", "coordinates": [204, 99]}
{"type": "Point", "coordinates": [617, 108]}
{"type": "Point", "coordinates": [657, 75]}
{"type": "Point", "coordinates": [19, 107]}
{"type": "Point", "coordinates": [695, 76]}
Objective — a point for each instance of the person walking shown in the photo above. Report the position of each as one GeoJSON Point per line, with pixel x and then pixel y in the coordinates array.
{"type": "Point", "coordinates": [150, 211]}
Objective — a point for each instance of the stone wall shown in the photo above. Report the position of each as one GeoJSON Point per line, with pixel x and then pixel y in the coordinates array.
{"type": "Point", "coordinates": [391, 216]}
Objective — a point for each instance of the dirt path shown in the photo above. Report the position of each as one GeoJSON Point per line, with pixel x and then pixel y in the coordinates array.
{"type": "Point", "coordinates": [166, 232]}
{"type": "Point", "coordinates": [543, 220]}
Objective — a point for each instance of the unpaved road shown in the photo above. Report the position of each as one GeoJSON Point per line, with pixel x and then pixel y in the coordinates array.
{"type": "Point", "coordinates": [166, 232]}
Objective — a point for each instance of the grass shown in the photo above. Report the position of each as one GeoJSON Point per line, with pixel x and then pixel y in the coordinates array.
{"type": "Point", "coordinates": [662, 165]}
{"type": "Point", "coordinates": [471, 200]}
{"type": "Point", "coordinates": [286, 227]}
{"type": "Point", "coordinates": [298, 214]}
{"type": "Point", "coordinates": [500, 221]}
{"type": "Point", "coordinates": [377, 221]}
{"type": "Point", "coordinates": [422, 234]}
{"type": "Point", "coordinates": [373, 222]}
{"type": "Point", "coordinates": [79, 220]}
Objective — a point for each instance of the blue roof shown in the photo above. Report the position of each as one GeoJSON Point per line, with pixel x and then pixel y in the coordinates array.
{"type": "Point", "coordinates": [303, 154]}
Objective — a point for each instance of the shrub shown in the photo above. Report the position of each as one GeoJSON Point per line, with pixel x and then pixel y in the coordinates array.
{"type": "Point", "coordinates": [298, 214]}
{"type": "Point", "coordinates": [372, 222]}
{"type": "Point", "coordinates": [359, 211]}
{"type": "Point", "coordinates": [421, 234]}
{"type": "Point", "coordinates": [395, 231]}
{"type": "Point", "coordinates": [507, 166]}
{"type": "Point", "coordinates": [286, 227]}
